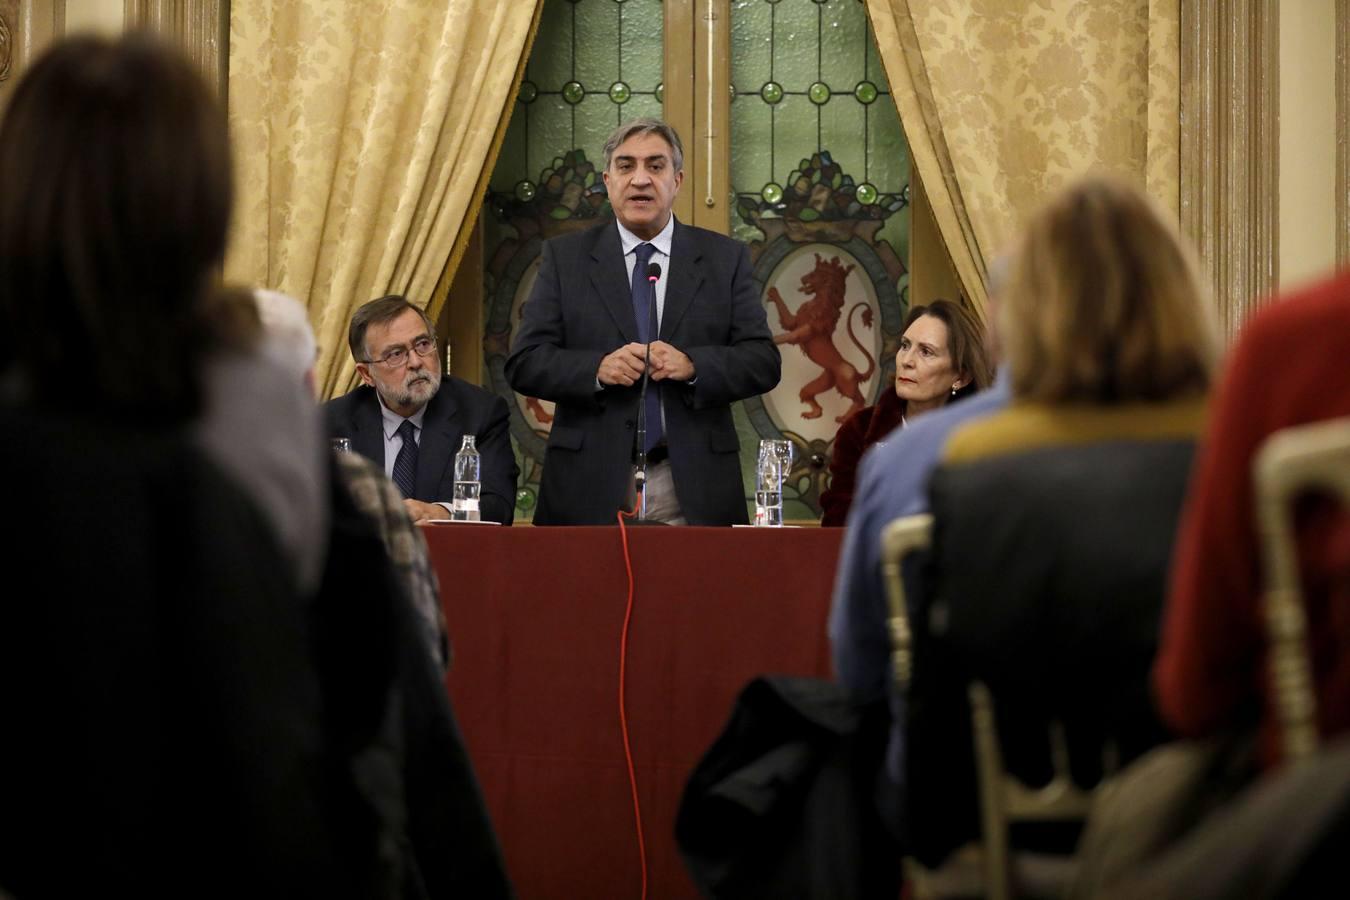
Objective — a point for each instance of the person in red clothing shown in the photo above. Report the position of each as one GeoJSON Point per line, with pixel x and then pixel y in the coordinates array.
{"type": "Point", "coordinates": [942, 357]}
{"type": "Point", "coordinates": [1288, 368]}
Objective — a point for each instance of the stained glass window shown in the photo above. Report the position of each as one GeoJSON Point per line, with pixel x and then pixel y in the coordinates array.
{"type": "Point", "coordinates": [820, 174]}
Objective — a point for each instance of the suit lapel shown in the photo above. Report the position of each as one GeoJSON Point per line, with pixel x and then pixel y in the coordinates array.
{"type": "Point", "coordinates": [440, 441]}
{"type": "Point", "coordinates": [369, 437]}
{"type": "Point", "coordinates": [609, 278]}
{"type": "Point", "coordinates": [686, 277]}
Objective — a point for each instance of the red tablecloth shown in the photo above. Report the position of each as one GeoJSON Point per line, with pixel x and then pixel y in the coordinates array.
{"type": "Point", "coordinates": [535, 616]}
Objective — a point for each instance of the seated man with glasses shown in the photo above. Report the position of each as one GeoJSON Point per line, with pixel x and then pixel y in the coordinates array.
{"type": "Point", "coordinates": [412, 420]}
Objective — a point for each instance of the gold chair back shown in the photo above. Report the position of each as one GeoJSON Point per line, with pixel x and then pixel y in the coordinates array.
{"type": "Point", "coordinates": [986, 870]}
{"type": "Point", "coordinates": [1291, 463]}
{"type": "Point", "coordinates": [901, 538]}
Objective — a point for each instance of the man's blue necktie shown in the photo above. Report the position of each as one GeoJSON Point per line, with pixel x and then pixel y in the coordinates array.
{"type": "Point", "coordinates": [405, 464]}
{"type": "Point", "coordinates": [644, 301]}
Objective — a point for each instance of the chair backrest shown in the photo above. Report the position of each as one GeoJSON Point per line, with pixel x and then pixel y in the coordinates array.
{"type": "Point", "coordinates": [901, 538]}
{"type": "Point", "coordinates": [1293, 462]}
{"type": "Point", "coordinates": [1003, 798]}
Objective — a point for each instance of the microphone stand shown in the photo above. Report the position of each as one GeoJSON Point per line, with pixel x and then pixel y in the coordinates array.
{"type": "Point", "coordinates": [640, 458]}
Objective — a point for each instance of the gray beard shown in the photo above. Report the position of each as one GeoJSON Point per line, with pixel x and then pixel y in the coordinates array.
{"type": "Point", "coordinates": [413, 395]}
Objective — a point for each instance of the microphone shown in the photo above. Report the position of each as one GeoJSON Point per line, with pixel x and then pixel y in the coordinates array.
{"type": "Point", "coordinates": [640, 476]}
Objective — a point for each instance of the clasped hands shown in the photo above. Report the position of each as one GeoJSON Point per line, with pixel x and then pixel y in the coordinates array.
{"type": "Point", "coordinates": [624, 366]}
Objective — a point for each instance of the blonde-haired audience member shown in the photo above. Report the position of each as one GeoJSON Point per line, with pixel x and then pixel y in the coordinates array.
{"type": "Point", "coordinates": [1053, 519]}
{"type": "Point", "coordinates": [1104, 305]}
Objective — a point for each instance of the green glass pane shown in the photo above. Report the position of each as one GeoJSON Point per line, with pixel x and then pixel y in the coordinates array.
{"type": "Point", "coordinates": [751, 45]}
{"type": "Point", "coordinates": [794, 134]}
{"type": "Point", "coordinates": [841, 125]}
{"type": "Point", "coordinates": [865, 92]}
{"type": "Point", "coordinates": [795, 63]}
{"type": "Point", "coordinates": [640, 105]}
{"type": "Point", "coordinates": [597, 43]}
{"type": "Point", "coordinates": [512, 161]}
{"type": "Point", "coordinates": [888, 155]}
{"type": "Point", "coordinates": [550, 64]}
{"type": "Point", "coordinates": [876, 71]}
{"type": "Point", "coordinates": [550, 131]}
{"type": "Point", "coordinates": [843, 23]}
{"type": "Point", "coordinates": [752, 142]}
{"type": "Point", "coordinates": [597, 116]}
{"type": "Point", "coordinates": [619, 93]}
{"type": "Point", "coordinates": [819, 92]}
{"type": "Point", "coordinates": [643, 39]}
{"type": "Point", "coordinates": [771, 92]}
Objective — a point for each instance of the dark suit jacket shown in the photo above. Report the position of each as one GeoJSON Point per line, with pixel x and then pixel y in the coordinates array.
{"type": "Point", "coordinates": [457, 409]}
{"type": "Point", "coordinates": [162, 719]}
{"type": "Point", "coordinates": [580, 311]}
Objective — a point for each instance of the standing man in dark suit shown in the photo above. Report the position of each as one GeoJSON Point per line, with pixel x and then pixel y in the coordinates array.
{"type": "Point", "coordinates": [581, 345]}
{"type": "Point", "coordinates": [405, 395]}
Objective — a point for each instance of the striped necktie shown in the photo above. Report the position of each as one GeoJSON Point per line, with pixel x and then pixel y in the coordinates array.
{"type": "Point", "coordinates": [644, 299]}
{"type": "Point", "coordinates": [405, 464]}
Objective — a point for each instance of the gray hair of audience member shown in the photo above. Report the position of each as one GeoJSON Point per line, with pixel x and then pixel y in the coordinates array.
{"type": "Point", "coordinates": [646, 125]}
{"type": "Point", "coordinates": [377, 312]}
{"type": "Point", "coordinates": [287, 335]}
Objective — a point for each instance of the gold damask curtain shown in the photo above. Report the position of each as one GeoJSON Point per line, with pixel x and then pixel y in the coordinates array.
{"type": "Point", "coordinates": [1004, 101]}
{"type": "Point", "coordinates": [365, 131]}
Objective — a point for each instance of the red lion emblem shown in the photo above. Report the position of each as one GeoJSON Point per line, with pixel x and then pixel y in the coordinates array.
{"type": "Point", "coordinates": [812, 328]}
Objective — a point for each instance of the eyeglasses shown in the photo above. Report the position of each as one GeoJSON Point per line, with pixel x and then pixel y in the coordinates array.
{"type": "Point", "coordinates": [398, 357]}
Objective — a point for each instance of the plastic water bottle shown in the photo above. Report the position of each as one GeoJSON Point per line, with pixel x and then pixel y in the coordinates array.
{"type": "Point", "coordinates": [768, 487]}
{"type": "Point", "coordinates": [468, 467]}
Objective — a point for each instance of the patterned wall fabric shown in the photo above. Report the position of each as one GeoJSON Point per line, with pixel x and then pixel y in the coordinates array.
{"type": "Point", "coordinates": [361, 128]}
{"type": "Point", "coordinates": [1004, 103]}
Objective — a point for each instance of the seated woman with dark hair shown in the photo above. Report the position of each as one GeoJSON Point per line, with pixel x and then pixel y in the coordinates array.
{"type": "Point", "coordinates": [942, 358]}
{"type": "Point", "coordinates": [160, 686]}
{"type": "Point", "coordinates": [194, 700]}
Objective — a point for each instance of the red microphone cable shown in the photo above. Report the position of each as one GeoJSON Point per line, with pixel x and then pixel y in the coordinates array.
{"type": "Point", "coordinates": [653, 273]}
{"type": "Point", "coordinates": [623, 678]}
